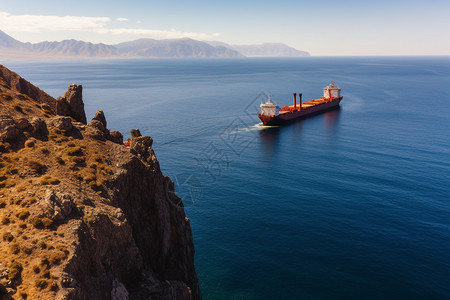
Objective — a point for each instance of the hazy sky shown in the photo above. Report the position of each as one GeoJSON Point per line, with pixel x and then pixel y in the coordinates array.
{"type": "Point", "coordinates": [322, 27]}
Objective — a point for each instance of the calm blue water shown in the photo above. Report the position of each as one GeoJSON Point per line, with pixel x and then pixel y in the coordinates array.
{"type": "Point", "coordinates": [352, 204]}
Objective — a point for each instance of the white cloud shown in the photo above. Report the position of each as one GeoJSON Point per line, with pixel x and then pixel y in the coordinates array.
{"type": "Point", "coordinates": [158, 34]}
{"type": "Point", "coordinates": [39, 23]}
{"type": "Point", "coordinates": [98, 25]}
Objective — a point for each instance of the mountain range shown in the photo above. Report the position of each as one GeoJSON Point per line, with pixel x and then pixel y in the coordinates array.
{"type": "Point", "coordinates": [11, 48]}
{"type": "Point", "coordinates": [263, 50]}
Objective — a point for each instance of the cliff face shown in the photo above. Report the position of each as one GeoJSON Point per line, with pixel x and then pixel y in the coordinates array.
{"type": "Point", "coordinates": [81, 215]}
{"type": "Point", "coordinates": [17, 83]}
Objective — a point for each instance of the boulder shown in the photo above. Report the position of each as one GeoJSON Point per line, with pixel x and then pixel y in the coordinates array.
{"type": "Point", "coordinates": [141, 144]}
{"type": "Point", "coordinates": [97, 130]}
{"type": "Point", "coordinates": [62, 123]}
{"type": "Point", "coordinates": [100, 116]}
{"type": "Point", "coordinates": [39, 128]}
{"type": "Point", "coordinates": [56, 206]}
{"type": "Point", "coordinates": [97, 124]}
{"type": "Point", "coordinates": [23, 124]}
{"type": "Point", "coordinates": [10, 133]}
{"type": "Point", "coordinates": [115, 137]}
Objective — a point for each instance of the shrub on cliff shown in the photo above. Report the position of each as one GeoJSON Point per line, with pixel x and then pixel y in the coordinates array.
{"type": "Point", "coordinates": [23, 214]}
{"type": "Point", "coordinates": [47, 179]}
{"type": "Point", "coordinates": [41, 222]}
{"type": "Point", "coordinates": [17, 108]}
{"type": "Point", "coordinates": [37, 167]}
{"type": "Point", "coordinates": [75, 151]}
{"type": "Point", "coordinates": [7, 236]}
{"type": "Point", "coordinates": [15, 270]}
{"type": "Point", "coordinates": [41, 284]}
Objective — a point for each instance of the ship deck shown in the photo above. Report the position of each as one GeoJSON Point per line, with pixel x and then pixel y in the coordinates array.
{"type": "Point", "coordinates": [311, 103]}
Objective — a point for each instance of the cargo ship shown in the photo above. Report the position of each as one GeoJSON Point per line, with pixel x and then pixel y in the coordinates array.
{"type": "Point", "coordinates": [272, 115]}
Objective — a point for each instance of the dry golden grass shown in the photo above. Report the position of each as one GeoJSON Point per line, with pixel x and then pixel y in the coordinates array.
{"type": "Point", "coordinates": [47, 179]}
{"type": "Point", "coordinates": [32, 247]}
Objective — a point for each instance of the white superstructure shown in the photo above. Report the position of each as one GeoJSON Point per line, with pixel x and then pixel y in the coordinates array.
{"type": "Point", "coordinates": [269, 108]}
{"type": "Point", "coordinates": [331, 91]}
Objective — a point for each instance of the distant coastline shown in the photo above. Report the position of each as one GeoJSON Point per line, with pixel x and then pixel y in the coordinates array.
{"type": "Point", "coordinates": [12, 49]}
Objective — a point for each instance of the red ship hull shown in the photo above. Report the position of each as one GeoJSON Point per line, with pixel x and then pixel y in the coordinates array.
{"type": "Point", "coordinates": [286, 117]}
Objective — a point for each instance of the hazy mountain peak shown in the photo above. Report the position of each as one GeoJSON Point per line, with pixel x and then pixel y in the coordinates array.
{"type": "Point", "coordinates": [269, 49]}
{"type": "Point", "coordinates": [263, 50]}
{"type": "Point", "coordinates": [144, 47]}
{"type": "Point", "coordinates": [7, 41]}
{"type": "Point", "coordinates": [185, 47]}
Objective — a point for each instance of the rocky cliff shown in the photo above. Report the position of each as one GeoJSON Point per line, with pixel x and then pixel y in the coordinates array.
{"type": "Point", "coordinates": [82, 216]}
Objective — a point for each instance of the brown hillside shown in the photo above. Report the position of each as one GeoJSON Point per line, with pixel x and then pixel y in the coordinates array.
{"type": "Point", "coordinates": [81, 215]}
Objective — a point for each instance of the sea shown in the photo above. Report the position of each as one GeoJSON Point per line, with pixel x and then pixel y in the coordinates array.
{"type": "Point", "coordinates": [350, 204]}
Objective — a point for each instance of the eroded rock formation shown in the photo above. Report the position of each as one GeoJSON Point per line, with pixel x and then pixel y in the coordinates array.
{"type": "Point", "coordinates": [72, 103]}
{"type": "Point", "coordinates": [82, 215]}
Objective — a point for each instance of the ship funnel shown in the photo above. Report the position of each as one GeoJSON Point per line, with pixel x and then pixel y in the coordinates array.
{"type": "Point", "coordinates": [300, 100]}
{"type": "Point", "coordinates": [295, 100]}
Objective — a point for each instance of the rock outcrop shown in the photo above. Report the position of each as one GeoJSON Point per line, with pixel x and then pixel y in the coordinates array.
{"type": "Point", "coordinates": [82, 215]}
{"type": "Point", "coordinates": [56, 206]}
{"type": "Point", "coordinates": [24, 87]}
{"type": "Point", "coordinates": [72, 103]}
{"type": "Point", "coordinates": [100, 116]}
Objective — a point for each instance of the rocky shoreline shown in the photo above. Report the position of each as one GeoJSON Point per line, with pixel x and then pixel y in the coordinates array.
{"type": "Point", "coordinates": [82, 215]}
